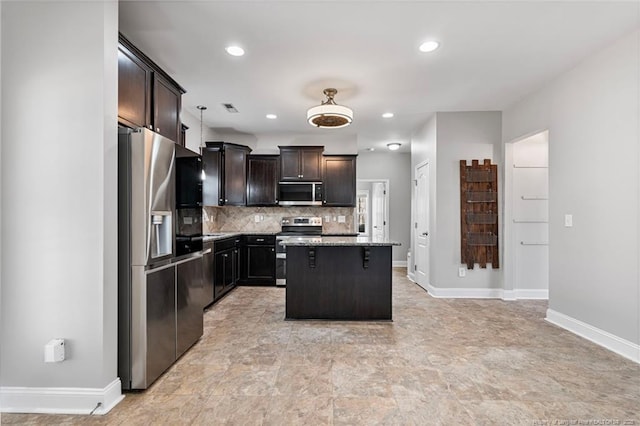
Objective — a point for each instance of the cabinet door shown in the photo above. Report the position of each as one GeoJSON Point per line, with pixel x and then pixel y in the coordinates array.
{"type": "Point", "coordinates": [261, 263]}
{"type": "Point", "coordinates": [262, 181]}
{"type": "Point", "coordinates": [208, 275]}
{"type": "Point", "coordinates": [166, 108]}
{"type": "Point", "coordinates": [134, 90]}
{"type": "Point", "coordinates": [189, 304]}
{"type": "Point", "coordinates": [235, 176]}
{"type": "Point", "coordinates": [212, 188]}
{"type": "Point", "coordinates": [339, 181]}
{"type": "Point", "coordinates": [289, 164]}
{"type": "Point", "coordinates": [219, 270]}
{"type": "Point", "coordinates": [311, 164]}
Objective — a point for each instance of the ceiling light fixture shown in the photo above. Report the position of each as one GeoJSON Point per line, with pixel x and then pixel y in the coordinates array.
{"type": "Point", "coordinates": [329, 115]}
{"type": "Point", "coordinates": [394, 146]}
{"type": "Point", "coordinates": [429, 46]}
{"type": "Point", "coordinates": [234, 50]}
{"type": "Point", "coordinates": [271, 116]}
{"type": "Point", "coordinates": [387, 115]}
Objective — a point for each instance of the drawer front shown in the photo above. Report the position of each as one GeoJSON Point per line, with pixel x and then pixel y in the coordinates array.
{"type": "Point", "coordinates": [260, 239]}
{"type": "Point", "coordinates": [221, 245]}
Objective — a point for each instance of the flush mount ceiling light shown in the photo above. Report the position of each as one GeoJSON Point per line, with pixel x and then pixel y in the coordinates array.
{"type": "Point", "coordinates": [271, 116]}
{"type": "Point", "coordinates": [387, 115]}
{"type": "Point", "coordinates": [234, 50]}
{"type": "Point", "coordinates": [429, 46]}
{"type": "Point", "coordinates": [394, 146]}
{"type": "Point", "coordinates": [329, 115]}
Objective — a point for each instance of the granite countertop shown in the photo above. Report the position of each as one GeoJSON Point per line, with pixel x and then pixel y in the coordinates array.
{"type": "Point", "coordinates": [338, 241]}
{"type": "Point", "coordinates": [222, 235]}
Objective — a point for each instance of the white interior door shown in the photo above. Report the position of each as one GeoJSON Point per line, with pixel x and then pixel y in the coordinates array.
{"type": "Point", "coordinates": [421, 226]}
{"type": "Point", "coordinates": [378, 221]}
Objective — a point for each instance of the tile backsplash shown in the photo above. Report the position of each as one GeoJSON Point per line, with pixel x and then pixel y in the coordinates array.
{"type": "Point", "coordinates": [232, 219]}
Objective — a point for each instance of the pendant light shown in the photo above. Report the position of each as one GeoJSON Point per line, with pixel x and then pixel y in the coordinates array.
{"type": "Point", "coordinates": [329, 115]}
{"type": "Point", "coordinates": [201, 108]}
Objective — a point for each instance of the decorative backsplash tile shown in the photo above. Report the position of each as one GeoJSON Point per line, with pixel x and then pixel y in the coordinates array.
{"type": "Point", "coordinates": [232, 219]}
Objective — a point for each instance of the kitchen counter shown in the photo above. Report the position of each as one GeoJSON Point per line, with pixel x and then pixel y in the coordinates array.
{"type": "Point", "coordinates": [338, 278]}
{"type": "Point", "coordinates": [222, 235]}
{"type": "Point", "coordinates": [338, 241]}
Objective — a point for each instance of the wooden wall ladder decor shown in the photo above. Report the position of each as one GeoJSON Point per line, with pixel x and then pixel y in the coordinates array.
{"type": "Point", "coordinates": [479, 214]}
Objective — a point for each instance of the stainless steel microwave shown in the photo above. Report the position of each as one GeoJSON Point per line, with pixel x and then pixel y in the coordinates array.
{"type": "Point", "coordinates": [300, 193]}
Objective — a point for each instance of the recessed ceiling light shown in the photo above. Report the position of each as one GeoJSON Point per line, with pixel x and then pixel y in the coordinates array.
{"type": "Point", "coordinates": [429, 46]}
{"type": "Point", "coordinates": [234, 50]}
{"type": "Point", "coordinates": [387, 115]}
{"type": "Point", "coordinates": [394, 146]}
{"type": "Point", "coordinates": [271, 116]}
{"type": "Point", "coordinates": [371, 149]}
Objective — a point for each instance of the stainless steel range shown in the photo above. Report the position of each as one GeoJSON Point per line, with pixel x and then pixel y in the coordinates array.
{"type": "Point", "coordinates": [294, 228]}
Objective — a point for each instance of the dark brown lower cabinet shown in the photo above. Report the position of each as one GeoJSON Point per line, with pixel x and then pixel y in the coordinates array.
{"type": "Point", "coordinates": [258, 260]}
{"type": "Point", "coordinates": [226, 265]}
{"type": "Point", "coordinates": [338, 282]}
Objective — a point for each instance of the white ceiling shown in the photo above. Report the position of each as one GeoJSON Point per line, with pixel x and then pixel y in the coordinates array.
{"type": "Point", "coordinates": [491, 55]}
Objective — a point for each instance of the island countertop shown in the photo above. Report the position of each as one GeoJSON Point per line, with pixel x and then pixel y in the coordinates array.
{"type": "Point", "coordinates": [338, 241]}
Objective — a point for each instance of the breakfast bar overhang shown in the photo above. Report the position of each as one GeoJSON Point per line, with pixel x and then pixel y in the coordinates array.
{"type": "Point", "coordinates": [339, 278]}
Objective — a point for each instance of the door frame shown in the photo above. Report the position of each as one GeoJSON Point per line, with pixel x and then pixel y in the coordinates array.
{"type": "Point", "coordinates": [386, 204]}
{"type": "Point", "coordinates": [508, 243]}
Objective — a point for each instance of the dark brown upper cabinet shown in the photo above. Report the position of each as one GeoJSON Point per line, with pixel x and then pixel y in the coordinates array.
{"type": "Point", "coordinates": [225, 168]}
{"type": "Point", "coordinates": [339, 180]}
{"type": "Point", "coordinates": [147, 96]}
{"type": "Point", "coordinates": [134, 89]}
{"type": "Point", "coordinates": [262, 180]}
{"type": "Point", "coordinates": [301, 163]}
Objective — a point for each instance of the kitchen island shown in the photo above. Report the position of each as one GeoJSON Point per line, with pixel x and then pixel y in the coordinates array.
{"type": "Point", "coordinates": [338, 278]}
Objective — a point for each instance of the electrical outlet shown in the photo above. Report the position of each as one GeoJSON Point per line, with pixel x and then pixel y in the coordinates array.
{"type": "Point", "coordinates": [462, 272]}
{"type": "Point", "coordinates": [342, 219]}
{"type": "Point", "coordinates": [256, 218]}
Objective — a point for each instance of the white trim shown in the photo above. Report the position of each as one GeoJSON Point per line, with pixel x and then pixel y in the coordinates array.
{"type": "Point", "coordinates": [465, 293]}
{"type": "Point", "coordinates": [60, 400]}
{"type": "Point", "coordinates": [399, 264]}
{"type": "Point", "coordinates": [411, 277]}
{"type": "Point", "coordinates": [486, 293]}
{"type": "Point", "coordinates": [526, 293]}
{"type": "Point", "coordinates": [600, 337]}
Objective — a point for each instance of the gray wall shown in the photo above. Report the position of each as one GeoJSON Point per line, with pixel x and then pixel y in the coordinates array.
{"type": "Point", "coordinates": [444, 140]}
{"type": "Point", "coordinates": [59, 192]}
{"type": "Point", "coordinates": [592, 116]}
{"type": "Point", "coordinates": [396, 167]}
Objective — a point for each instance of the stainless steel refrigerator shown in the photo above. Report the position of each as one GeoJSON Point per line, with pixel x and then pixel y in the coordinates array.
{"type": "Point", "coordinates": [159, 305]}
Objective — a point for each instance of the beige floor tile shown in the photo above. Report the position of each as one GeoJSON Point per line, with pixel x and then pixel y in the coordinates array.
{"type": "Point", "coordinates": [440, 361]}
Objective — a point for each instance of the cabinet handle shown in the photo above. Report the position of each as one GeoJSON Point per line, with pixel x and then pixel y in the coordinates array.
{"type": "Point", "coordinates": [259, 239]}
{"type": "Point", "coordinates": [226, 201]}
{"type": "Point", "coordinates": [157, 129]}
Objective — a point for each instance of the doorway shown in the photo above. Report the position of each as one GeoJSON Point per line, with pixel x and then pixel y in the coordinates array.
{"type": "Point", "coordinates": [527, 217]}
{"type": "Point", "coordinates": [421, 226]}
{"type": "Point", "coordinates": [372, 208]}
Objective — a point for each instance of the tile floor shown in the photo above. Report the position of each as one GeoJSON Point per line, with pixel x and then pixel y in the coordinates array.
{"type": "Point", "coordinates": [482, 362]}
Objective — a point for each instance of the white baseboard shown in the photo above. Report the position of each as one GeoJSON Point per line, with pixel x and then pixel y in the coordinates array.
{"type": "Point", "coordinates": [465, 293]}
{"type": "Point", "coordinates": [486, 293]}
{"type": "Point", "coordinates": [60, 400]}
{"type": "Point", "coordinates": [524, 293]}
{"type": "Point", "coordinates": [600, 337]}
{"type": "Point", "coordinates": [399, 264]}
{"type": "Point", "coordinates": [411, 277]}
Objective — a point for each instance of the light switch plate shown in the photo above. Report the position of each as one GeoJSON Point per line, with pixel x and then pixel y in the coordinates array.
{"type": "Point", "coordinates": [342, 219]}
{"type": "Point", "coordinates": [568, 220]}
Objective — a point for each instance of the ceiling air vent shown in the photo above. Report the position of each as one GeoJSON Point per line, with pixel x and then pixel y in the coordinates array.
{"type": "Point", "coordinates": [229, 107]}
